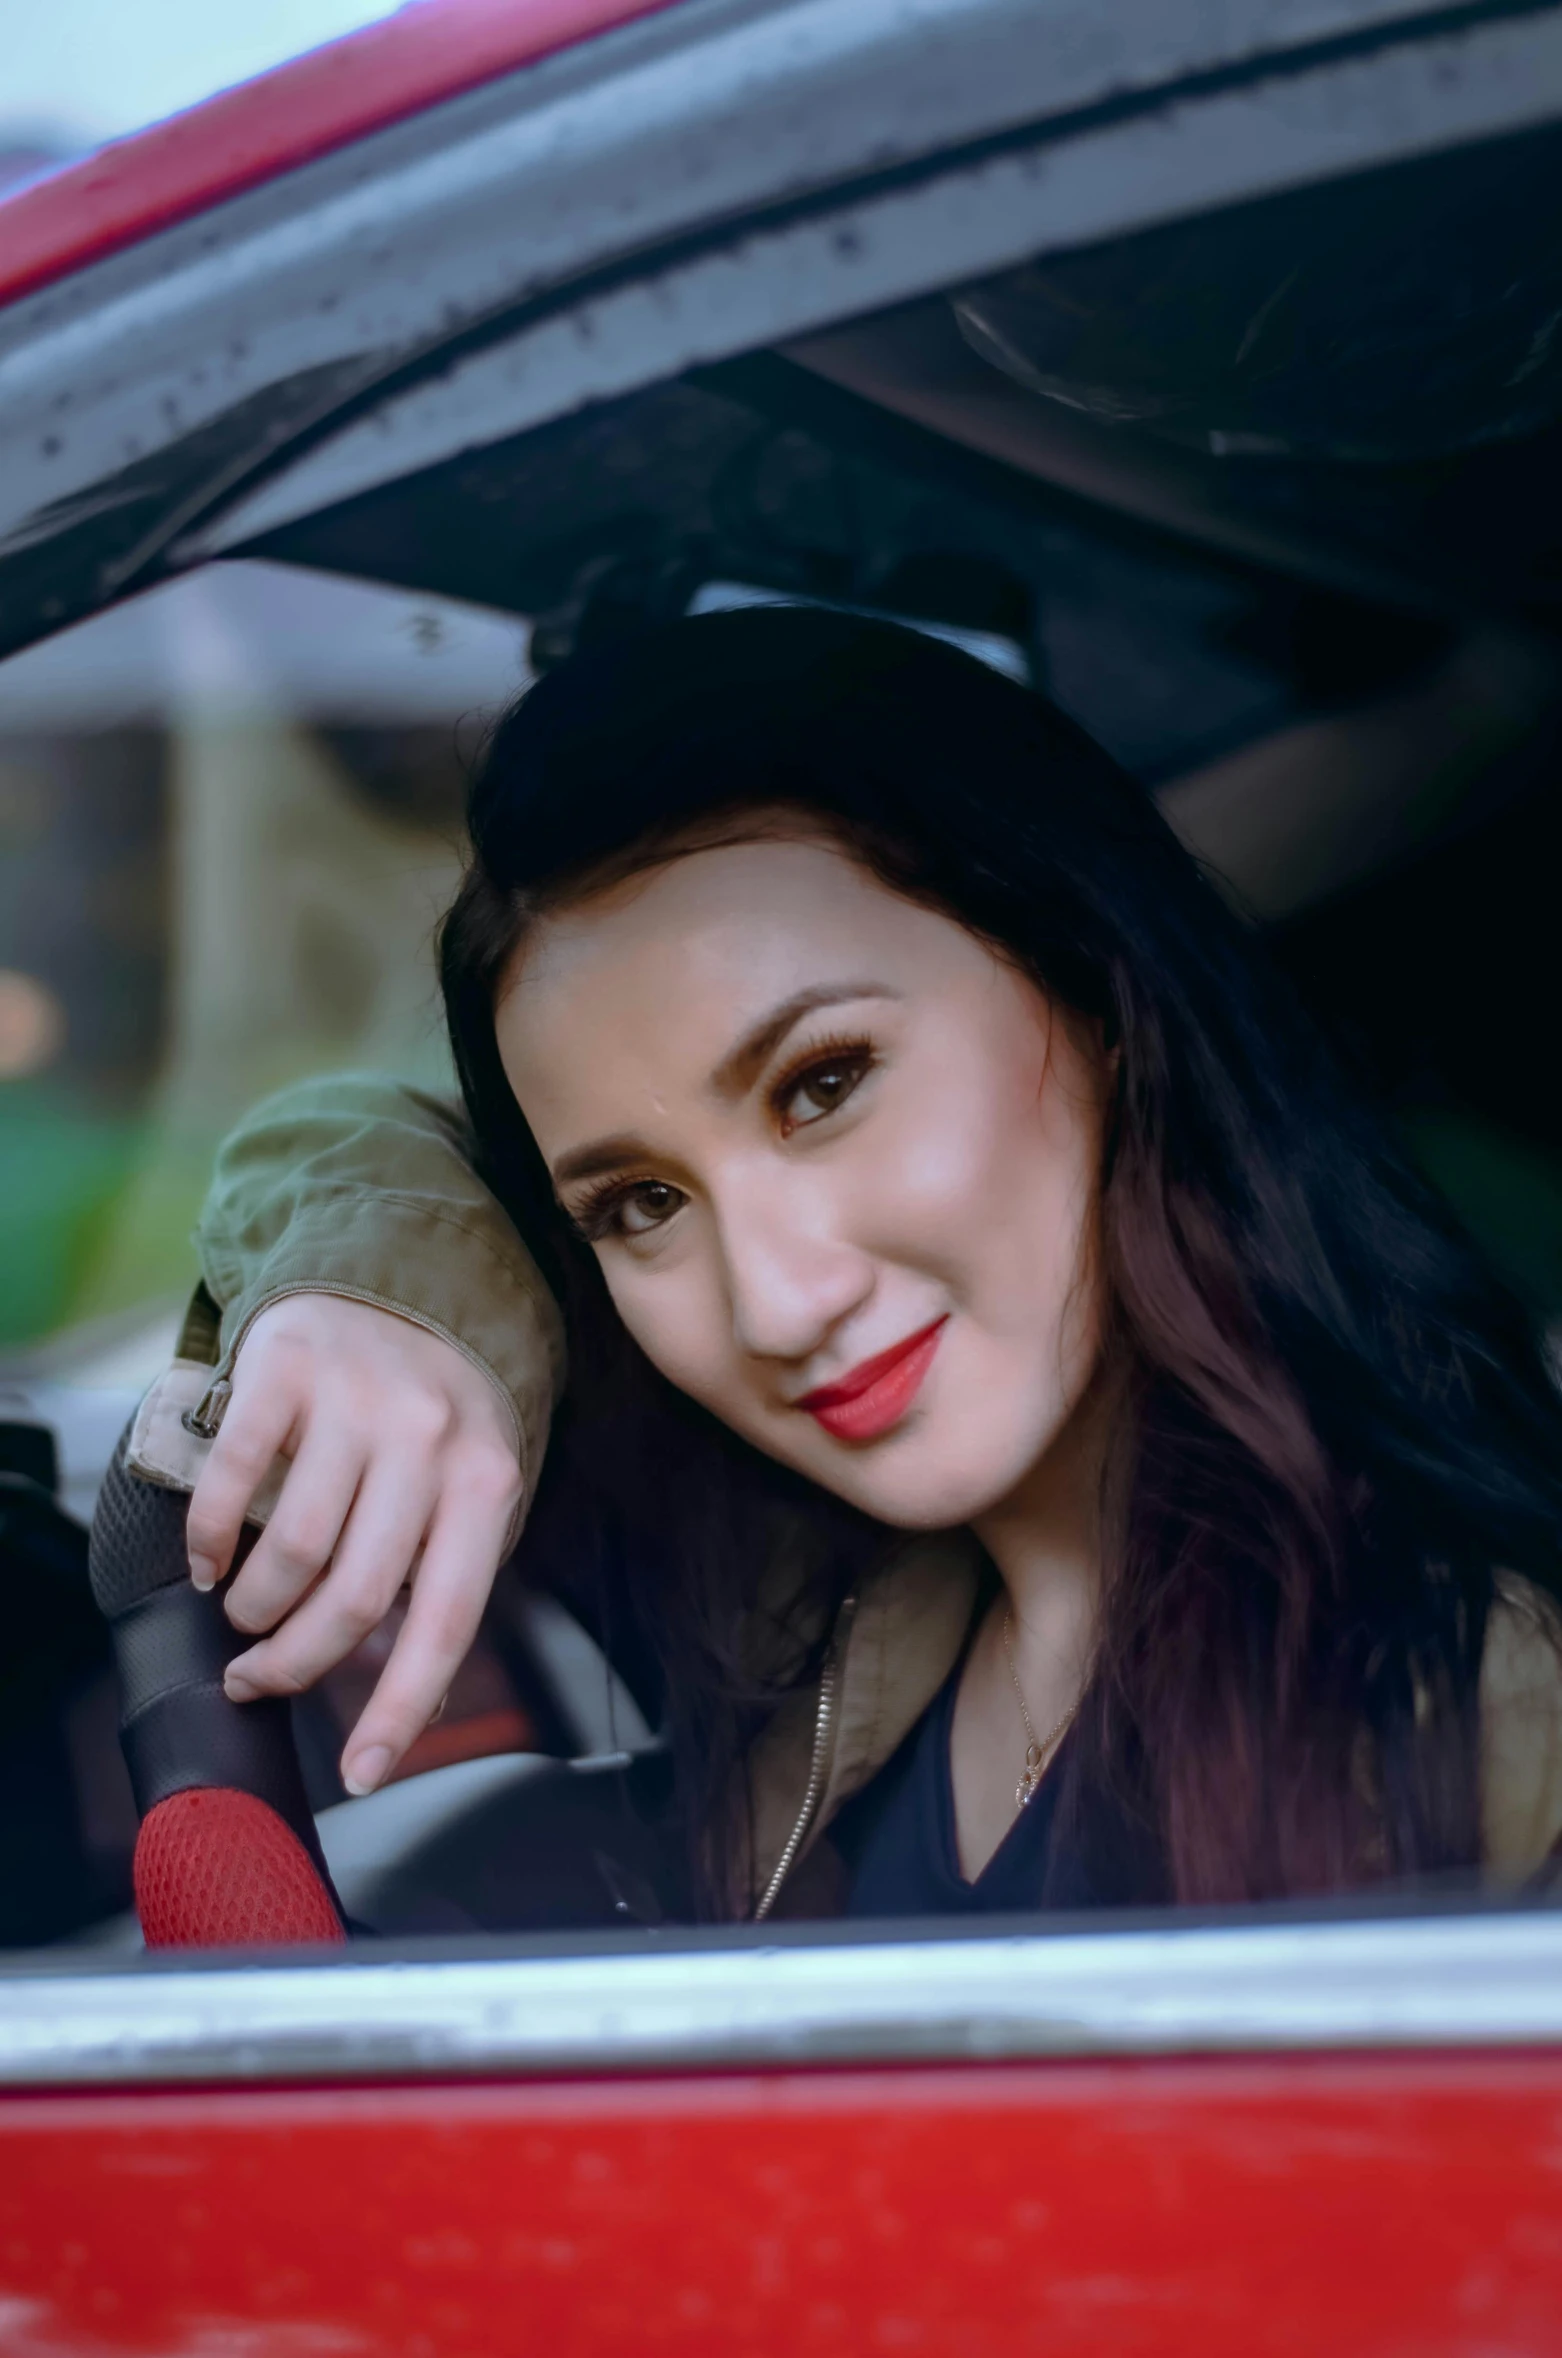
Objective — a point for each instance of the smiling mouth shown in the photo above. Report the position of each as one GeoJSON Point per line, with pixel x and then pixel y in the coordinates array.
{"type": "Point", "coordinates": [873, 1396]}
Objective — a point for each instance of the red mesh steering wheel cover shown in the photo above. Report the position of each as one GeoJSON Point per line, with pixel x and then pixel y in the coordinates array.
{"type": "Point", "coordinates": [215, 1868]}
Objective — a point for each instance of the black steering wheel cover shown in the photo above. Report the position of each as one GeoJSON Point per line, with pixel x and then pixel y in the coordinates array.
{"type": "Point", "coordinates": [172, 1643]}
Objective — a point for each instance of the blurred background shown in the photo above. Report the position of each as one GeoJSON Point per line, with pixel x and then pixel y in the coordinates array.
{"type": "Point", "coordinates": [229, 817]}
{"type": "Point", "coordinates": [85, 71]}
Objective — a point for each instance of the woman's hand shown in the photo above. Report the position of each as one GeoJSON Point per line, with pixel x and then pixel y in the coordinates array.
{"type": "Point", "coordinates": [404, 1466]}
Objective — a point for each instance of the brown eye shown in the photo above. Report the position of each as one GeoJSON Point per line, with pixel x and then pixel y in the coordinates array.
{"type": "Point", "coordinates": [626, 1210]}
{"type": "Point", "coordinates": [823, 1088]}
{"type": "Point", "coordinates": [645, 1206]}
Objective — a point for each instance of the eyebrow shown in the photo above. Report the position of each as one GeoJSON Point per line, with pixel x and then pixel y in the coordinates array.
{"type": "Point", "coordinates": [735, 1074]}
{"type": "Point", "coordinates": [594, 1161]}
{"type": "Point", "coordinates": [741, 1067]}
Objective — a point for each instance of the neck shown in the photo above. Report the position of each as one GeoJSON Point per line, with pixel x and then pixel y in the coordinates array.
{"type": "Point", "coordinates": [1045, 1537]}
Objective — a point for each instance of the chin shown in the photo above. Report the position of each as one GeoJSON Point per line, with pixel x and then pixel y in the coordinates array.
{"type": "Point", "coordinates": [921, 1496]}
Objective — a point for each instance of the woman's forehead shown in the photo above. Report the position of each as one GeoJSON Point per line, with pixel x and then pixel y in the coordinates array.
{"type": "Point", "coordinates": [712, 925]}
{"type": "Point", "coordinates": [659, 974]}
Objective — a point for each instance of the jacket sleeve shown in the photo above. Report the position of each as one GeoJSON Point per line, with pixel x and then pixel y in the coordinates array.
{"type": "Point", "coordinates": [360, 1186]}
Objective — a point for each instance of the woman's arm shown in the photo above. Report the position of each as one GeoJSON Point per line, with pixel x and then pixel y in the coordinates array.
{"type": "Point", "coordinates": [363, 1187]}
{"type": "Point", "coordinates": [384, 1328]}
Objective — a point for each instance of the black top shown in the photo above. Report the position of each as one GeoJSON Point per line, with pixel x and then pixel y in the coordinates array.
{"type": "Point", "coordinates": [897, 1837]}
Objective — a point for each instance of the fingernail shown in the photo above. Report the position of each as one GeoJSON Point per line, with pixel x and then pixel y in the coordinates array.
{"type": "Point", "coordinates": [203, 1572]}
{"type": "Point", "coordinates": [367, 1770]}
{"type": "Point", "coordinates": [238, 1688]}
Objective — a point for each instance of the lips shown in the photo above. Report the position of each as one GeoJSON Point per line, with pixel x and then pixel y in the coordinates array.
{"type": "Point", "coordinates": [872, 1397]}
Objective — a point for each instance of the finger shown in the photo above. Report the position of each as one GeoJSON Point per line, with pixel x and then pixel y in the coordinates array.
{"type": "Point", "coordinates": [304, 1533]}
{"type": "Point", "coordinates": [465, 1543]}
{"type": "Point", "coordinates": [259, 1422]}
{"type": "Point", "coordinates": [383, 1535]}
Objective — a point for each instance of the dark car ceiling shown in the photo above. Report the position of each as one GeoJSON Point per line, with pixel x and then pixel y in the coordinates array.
{"type": "Point", "coordinates": [1360, 384]}
{"type": "Point", "coordinates": [1468, 532]}
{"type": "Point", "coordinates": [761, 473]}
{"type": "Point", "coordinates": [1390, 317]}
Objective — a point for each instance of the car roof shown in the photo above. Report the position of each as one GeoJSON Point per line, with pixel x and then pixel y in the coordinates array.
{"type": "Point", "coordinates": [240, 138]}
{"type": "Point", "coordinates": [826, 191]}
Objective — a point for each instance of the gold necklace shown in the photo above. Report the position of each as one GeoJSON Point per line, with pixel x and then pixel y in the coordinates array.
{"type": "Point", "coordinates": [1039, 1752]}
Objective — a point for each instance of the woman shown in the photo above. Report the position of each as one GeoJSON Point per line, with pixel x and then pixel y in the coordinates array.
{"type": "Point", "coordinates": [1056, 1449]}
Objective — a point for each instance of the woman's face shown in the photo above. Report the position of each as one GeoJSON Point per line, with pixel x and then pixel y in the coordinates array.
{"type": "Point", "coordinates": [837, 1161]}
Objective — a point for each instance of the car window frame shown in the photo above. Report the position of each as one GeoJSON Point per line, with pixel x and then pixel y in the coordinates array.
{"type": "Point", "coordinates": [1378, 1977]}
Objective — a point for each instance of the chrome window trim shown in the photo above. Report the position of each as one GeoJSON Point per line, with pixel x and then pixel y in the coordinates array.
{"type": "Point", "coordinates": [772, 286]}
{"type": "Point", "coordinates": [1482, 1981]}
{"type": "Point", "coordinates": [228, 338]}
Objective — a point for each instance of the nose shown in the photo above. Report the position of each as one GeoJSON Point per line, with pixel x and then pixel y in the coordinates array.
{"type": "Point", "coordinates": [792, 1279]}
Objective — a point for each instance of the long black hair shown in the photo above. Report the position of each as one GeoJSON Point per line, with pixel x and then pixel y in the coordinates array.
{"type": "Point", "coordinates": [1336, 1424]}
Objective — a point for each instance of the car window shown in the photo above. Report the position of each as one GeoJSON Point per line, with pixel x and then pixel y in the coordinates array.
{"type": "Point", "coordinates": [232, 810]}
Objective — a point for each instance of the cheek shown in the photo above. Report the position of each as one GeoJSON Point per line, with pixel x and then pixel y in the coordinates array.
{"type": "Point", "coordinates": [1038, 1265]}
{"type": "Point", "coordinates": [985, 1174]}
{"type": "Point", "coordinates": [675, 1317]}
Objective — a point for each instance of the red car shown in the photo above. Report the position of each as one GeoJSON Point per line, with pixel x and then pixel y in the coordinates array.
{"type": "Point", "coordinates": [1204, 363]}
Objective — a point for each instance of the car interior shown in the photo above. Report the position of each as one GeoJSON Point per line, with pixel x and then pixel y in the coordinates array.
{"type": "Point", "coordinates": [1270, 500]}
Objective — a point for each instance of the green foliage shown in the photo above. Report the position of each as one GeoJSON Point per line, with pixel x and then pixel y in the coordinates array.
{"type": "Point", "coordinates": [62, 1171]}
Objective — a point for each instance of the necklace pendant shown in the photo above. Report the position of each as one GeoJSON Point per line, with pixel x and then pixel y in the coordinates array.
{"type": "Point", "coordinates": [1037, 1756]}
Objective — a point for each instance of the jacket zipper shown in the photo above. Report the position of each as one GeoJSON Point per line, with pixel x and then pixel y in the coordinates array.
{"type": "Point", "coordinates": [824, 1728]}
{"type": "Point", "coordinates": [204, 1420]}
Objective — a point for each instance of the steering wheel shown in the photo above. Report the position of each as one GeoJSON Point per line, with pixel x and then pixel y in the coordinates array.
{"type": "Point", "coordinates": [228, 1852]}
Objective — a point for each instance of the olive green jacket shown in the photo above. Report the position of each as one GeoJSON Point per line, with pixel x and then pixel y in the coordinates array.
{"type": "Point", "coordinates": [361, 1187]}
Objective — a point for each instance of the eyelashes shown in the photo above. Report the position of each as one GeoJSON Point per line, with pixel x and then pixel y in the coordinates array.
{"type": "Point", "coordinates": [600, 1212]}
{"type": "Point", "coordinates": [605, 1208]}
{"type": "Point", "coordinates": [849, 1054]}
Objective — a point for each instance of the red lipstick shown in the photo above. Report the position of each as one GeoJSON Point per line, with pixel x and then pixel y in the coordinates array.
{"type": "Point", "coordinates": [875, 1394]}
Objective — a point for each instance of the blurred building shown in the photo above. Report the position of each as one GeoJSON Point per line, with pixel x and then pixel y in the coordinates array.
{"type": "Point", "coordinates": [229, 818]}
